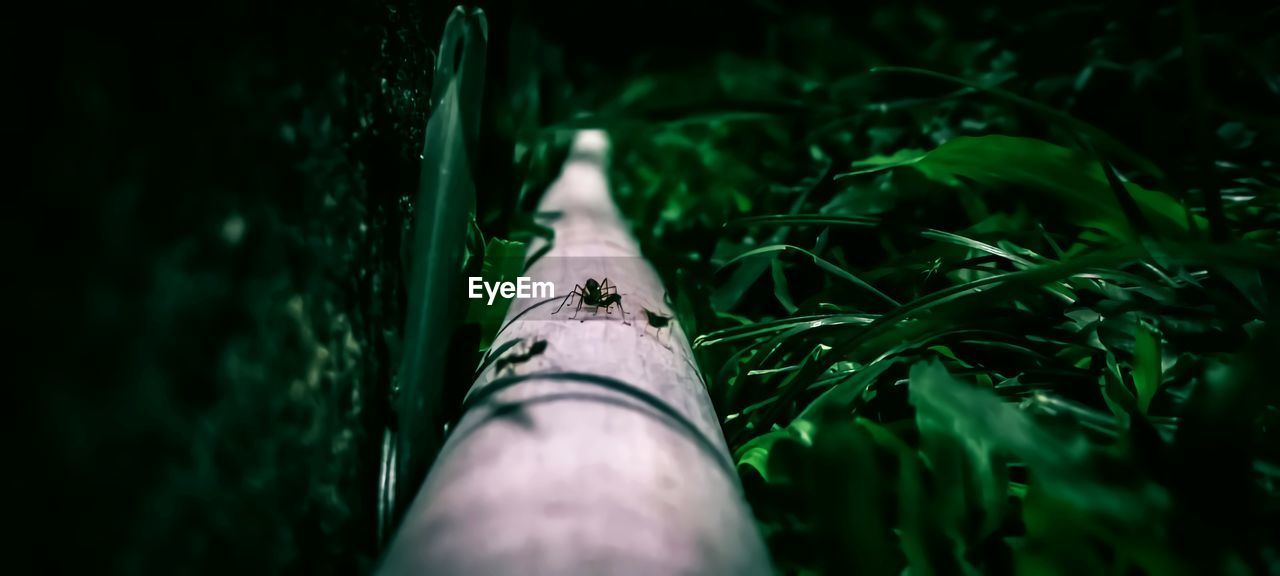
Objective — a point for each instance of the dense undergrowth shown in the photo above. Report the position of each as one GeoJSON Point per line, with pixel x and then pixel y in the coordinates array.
{"type": "Point", "coordinates": [1006, 310]}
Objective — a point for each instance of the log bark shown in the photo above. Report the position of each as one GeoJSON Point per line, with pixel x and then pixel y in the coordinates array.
{"type": "Point", "coordinates": [599, 455]}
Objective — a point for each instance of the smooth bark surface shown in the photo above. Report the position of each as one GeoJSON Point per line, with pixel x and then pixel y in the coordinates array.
{"type": "Point", "coordinates": [599, 455]}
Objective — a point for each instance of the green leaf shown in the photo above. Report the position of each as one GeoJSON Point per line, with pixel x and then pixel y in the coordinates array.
{"type": "Point", "coordinates": [893, 331]}
{"type": "Point", "coordinates": [1148, 364]}
{"type": "Point", "coordinates": [445, 201]}
{"type": "Point", "coordinates": [902, 157]}
{"type": "Point", "coordinates": [751, 331]}
{"type": "Point", "coordinates": [805, 220]}
{"type": "Point", "coordinates": [756, 453]}
{"type": "Point", "coordinates": [729, 293]}
{"type": "Point", "coordinates": [1104, 141]}
{"type": "Point", "coordinates": [959, 240]}
{"type": "Point", "coordinates": [968, 467]}
{"type": "Point", "coordinates": [503, 262]}
{"type": "Point", "coordinates": [1118, 398]}
{"type": "Point", "coordinates": [1113, 497]}
{"type": "Point", "coordinates": [848, 488]}
{"type": "Point", "coordinates": [824, 264]}
{"type": "Point", "coordinates": [840, 398]}
{"type": "Point", "coordinates": [781, 290]}
{"type": "Point", "coordinates": [1071, 180]}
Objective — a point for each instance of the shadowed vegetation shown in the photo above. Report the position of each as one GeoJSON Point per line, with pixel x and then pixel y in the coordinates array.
{"type": "Point", "coordinates": [971, 288]}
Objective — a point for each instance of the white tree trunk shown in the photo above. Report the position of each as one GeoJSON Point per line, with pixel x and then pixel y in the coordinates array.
{"type": "Point", "coordinates": [610, 463]}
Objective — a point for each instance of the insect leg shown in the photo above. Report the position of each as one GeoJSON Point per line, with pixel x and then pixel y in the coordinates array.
{"type": "Point", "coordinates": [620, 309]}
{"type": "Point", "coordinates": [577, 289]}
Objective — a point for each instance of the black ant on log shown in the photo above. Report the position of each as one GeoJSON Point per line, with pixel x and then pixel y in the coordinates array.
{"type": "Point", "coordinates": [595, 294]}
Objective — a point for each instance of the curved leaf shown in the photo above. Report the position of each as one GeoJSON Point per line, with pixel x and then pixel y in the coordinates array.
{"type": "Point", "coordinates": [1070, 179]}
{"type": "Point", "coordinates": [824, 264]}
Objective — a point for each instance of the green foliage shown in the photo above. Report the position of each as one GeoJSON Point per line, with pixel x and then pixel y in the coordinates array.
{"type": "Point", "coordinates": [503, 262]}
{"type": "Point", "coordinates": [1069, 180]}
{"type": "Point", "coordinates": [445, 201]}
{"type": "Point", "coordinates": [996, 343]}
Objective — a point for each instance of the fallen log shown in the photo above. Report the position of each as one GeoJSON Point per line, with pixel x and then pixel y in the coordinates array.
{"type": "Point", "coordinates": [588, 444]}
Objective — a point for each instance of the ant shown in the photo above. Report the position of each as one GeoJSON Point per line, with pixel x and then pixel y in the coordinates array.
{"type": "Point", "coordinates": [596, 294]}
